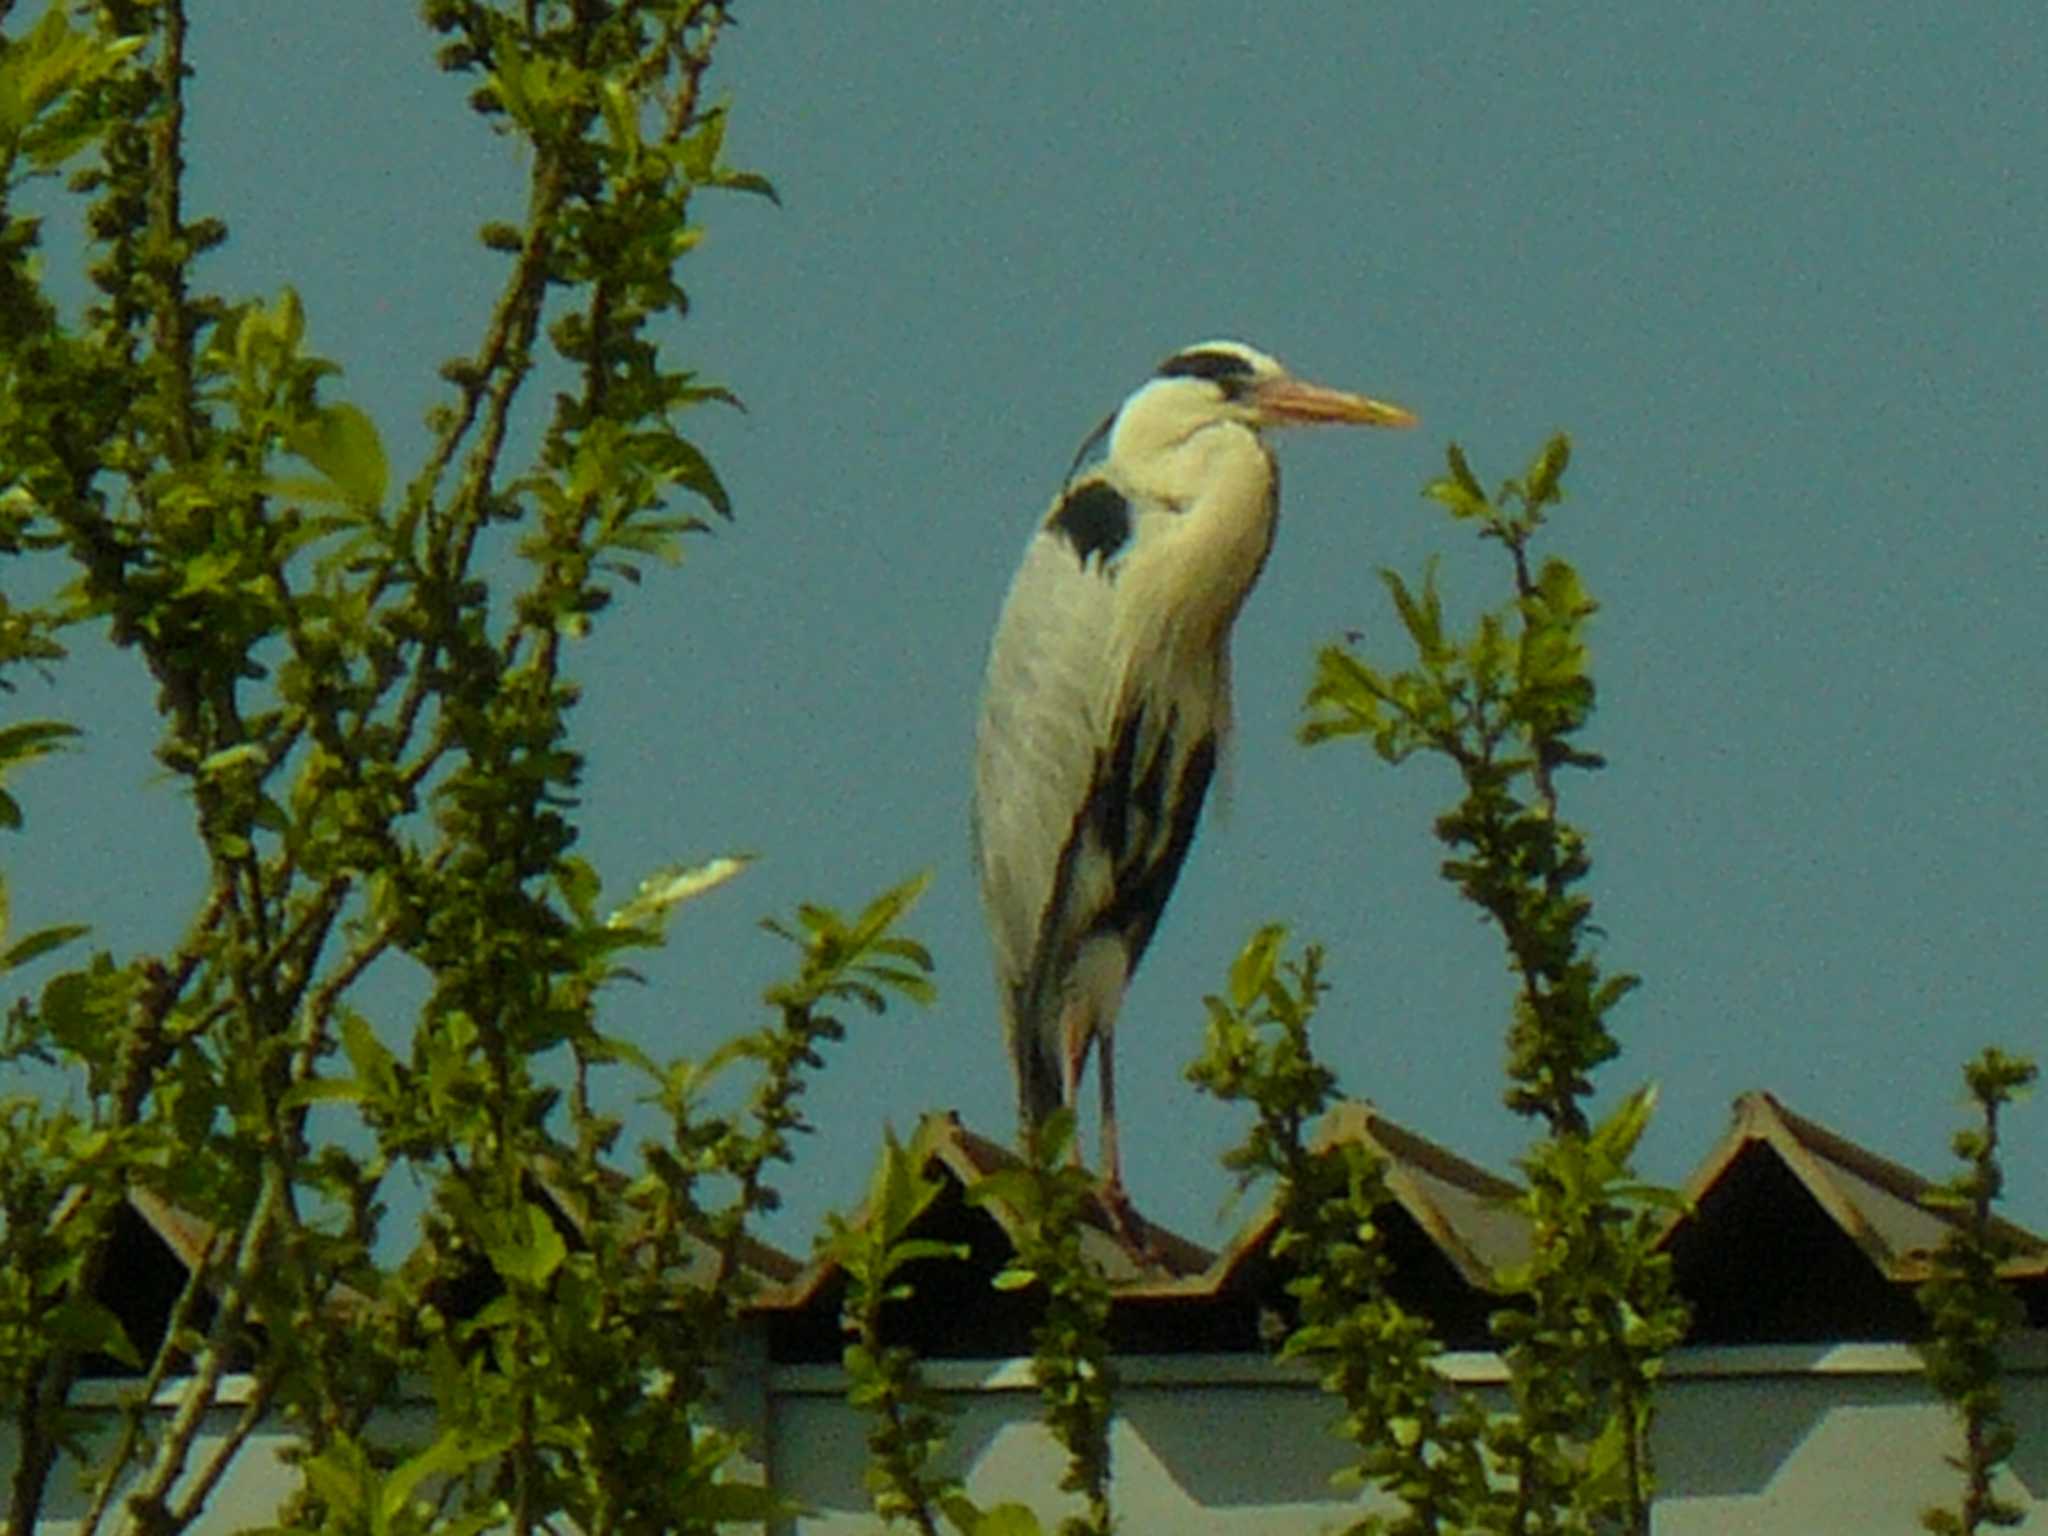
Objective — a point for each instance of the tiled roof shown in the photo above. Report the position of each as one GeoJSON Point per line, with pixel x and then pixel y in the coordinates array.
{"type": "Point", "coordinates": [1791, 1232]}
{"type": "Point", "coordinates": [1458, 1230]}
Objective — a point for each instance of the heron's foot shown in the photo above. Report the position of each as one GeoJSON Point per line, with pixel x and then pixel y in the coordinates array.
{"type": "Point", "coordinates": [1132, 1232]}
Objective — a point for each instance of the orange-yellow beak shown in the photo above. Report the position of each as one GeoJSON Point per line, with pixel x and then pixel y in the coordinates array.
{"type": "Point", "coordinates": [1295, 402]}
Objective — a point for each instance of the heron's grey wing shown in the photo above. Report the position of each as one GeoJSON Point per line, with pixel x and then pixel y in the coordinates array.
{"type": "Point", "coordinates": [1042, 731]}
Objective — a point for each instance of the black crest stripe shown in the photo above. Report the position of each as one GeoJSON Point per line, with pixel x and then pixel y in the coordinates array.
{"type": "Point", "coordinates": [1205, 365]}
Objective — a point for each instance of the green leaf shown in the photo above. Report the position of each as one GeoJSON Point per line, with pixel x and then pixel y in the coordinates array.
{"type": "Point", "coordinates": [40, 943]}
{"type": "Point", "coordinates": [749, 181]}
{"type": "Point", "coordinates": [1461, 471]}
{"type": "Point", "coordinates": [529, 1247]}
{"type": "Point", "coordinates": [24, 743]}
{"type": "Point", "coordinates": [88, 1327]}
{"type": "Point", "coordinates": [37, 69]}
{"type": "Point", "coordinates": [620, 120]}
{"type": "Point", "coordinates": [1422, 613]}
{"type": "Point", "coordinates": [343, 1479]}
{"type": "Point", "coordinates": [1615, 1138]}
{"type": "Point", "coordinates": [689, 468]}
{"type": "Point", "coordinates": [1344, 700]}
{"type": "Point", "coordinates": [899, 1192]}
{"type": "Point", "coordinates": [1541, 485]}
{"type": "Point", "coordinates": [1001, 1520]}
{"type": "Point", "coordinates": [1608, 1461]}
{"type": "Point", "coordinates": [1253, 968]}
{"type": "Point", "coordinates": [247, 752]}
{"type": "Point", "coordinates": [1461, 493]}
{"type": "Point", "coordinates": [907, 949]}
{"type": "Point", "coordinates": [602, 1047]}
{"type": "Point", "coordinates": [881, 913]}
{"type": "Point", "coordinates": [532, 87]}
{"type": "Point", "coordinates": [32, 739]}
{"type": "Point", "coordinates": [1012, 1186]}
{"type": "Point", "coordinates": [1056, 1136]}
{"type": "Point", "coordinates": [323, 1090]}
{"type": "Point", "coordinates": [286, 319]}
{"type": "Point", "coordinates": [730, 1503]}
{"type": "Point", "coordinates": [376, 1068]}
{"type": "Point", "coordinates": [342, 443]}
{"type": "Point", "coordinates": [1562, 592]}
{"type": "Point", "coordinates": [918, 989]}
{"type": "Point", "coordinates": [671, 886]}
{"type": "Point", "coordinates": [918, 1248]}
{"type": "Point", "coordinates": [456, 1451]}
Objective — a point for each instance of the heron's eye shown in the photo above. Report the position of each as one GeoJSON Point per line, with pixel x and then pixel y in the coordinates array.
{"type": "Point", "coordinates": [1225, 369]}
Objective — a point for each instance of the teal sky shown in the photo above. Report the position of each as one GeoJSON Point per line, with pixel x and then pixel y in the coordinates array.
{"type": "Point", "coordinates": [1780, 277]}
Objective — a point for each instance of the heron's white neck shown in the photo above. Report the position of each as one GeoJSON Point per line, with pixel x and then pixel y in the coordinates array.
{"type": "Point", "coordinates": [1199, 554]}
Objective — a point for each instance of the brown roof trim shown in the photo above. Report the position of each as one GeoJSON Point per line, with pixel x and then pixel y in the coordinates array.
{"type": "Point", "coordinates": [1406, 1157]}
{"type": "Point", "coordinates": [966, 1158]}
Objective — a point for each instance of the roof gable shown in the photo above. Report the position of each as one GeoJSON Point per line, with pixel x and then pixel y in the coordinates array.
{"type": "Point", "coordinates": [1796, 1233]}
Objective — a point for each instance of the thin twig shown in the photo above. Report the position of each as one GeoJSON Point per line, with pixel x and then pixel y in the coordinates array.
{"type": "Point", "coordinates": [208, 1477]}
{"type": "Point", "coordinates": [149, 1513]}
{"type": "Point", "coordinates": [138, 1405]}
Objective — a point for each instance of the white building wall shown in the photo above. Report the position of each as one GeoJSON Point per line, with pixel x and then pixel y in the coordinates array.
{"type": "Point", "coordinates": [1798, 1440]}
{"type": "Point", "coordinates": [1804, 1441]}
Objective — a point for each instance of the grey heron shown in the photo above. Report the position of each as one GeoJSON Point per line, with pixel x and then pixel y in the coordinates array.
{"type": "Point", "coordinates": [1108, 692]}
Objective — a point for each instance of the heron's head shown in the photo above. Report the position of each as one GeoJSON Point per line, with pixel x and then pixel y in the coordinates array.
{"type": "Point", "coordinates": [1226, 382]}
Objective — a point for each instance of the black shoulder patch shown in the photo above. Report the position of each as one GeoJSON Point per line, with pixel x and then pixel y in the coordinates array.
{"type": "Point", "coordinates": [1219, 366]}
{"type": "Point", "coordinates": [1094, 519]}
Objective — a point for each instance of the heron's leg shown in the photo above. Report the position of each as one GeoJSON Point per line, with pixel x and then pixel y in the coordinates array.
{"type": "Point", "coordinates": [1112, 1165]}
{"type": "Point", "coordinates": [1075, 1033]}
{"type": "Point", "coordinates": [1102, 968]}
{"type": "Point", "coordinates": [1124, 1221]}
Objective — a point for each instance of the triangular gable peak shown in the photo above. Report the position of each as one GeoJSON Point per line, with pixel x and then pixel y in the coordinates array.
{"type": "Point", "coordinates": [1796, 1233]}
{"type": "Point", "coordinates": [956, 1312]}
{"type": "Point", "coordinates": [1450, 1229]}
{"type": "Point", "coordinates": [152, 1251]}
{"type": "Point", "coordinates": [461, 1285]}
{"type": "Point", "coordinates": [1466, 1210]}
